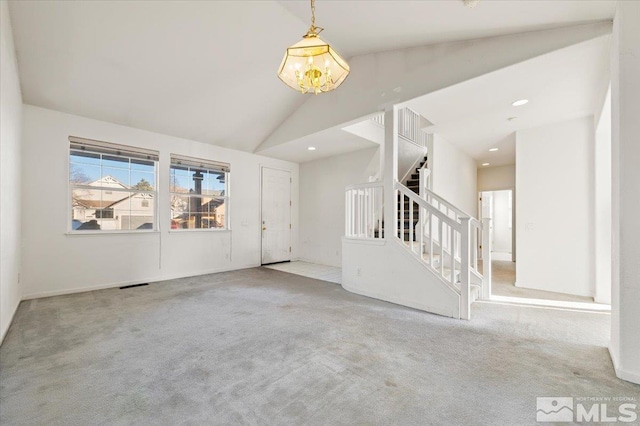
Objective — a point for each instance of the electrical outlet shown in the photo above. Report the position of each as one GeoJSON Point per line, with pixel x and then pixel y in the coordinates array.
{"type": "Point", "coordinates": [358, 272]}
{"type": "Point", "coordinates": [226, 256]}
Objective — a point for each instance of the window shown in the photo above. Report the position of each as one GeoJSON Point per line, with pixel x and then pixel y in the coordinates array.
{"type": "Point", "coordinates": [113, 187]}
{"type": "Point", "coordinates": [104, 214]}
{"type": "Point", "coordinates": [199, 193]}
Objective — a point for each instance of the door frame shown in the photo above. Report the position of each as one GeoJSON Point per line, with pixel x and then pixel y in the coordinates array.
{"type": "Point", "coordinates": [513, 214]}
{"type": "Point", "coordinates": [262, 167]}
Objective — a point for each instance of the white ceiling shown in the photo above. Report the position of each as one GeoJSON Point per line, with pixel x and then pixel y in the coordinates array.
{"type": "Point", "coordinates": [329, 142]}
{"type": "Point", "coordinates": [207, 70]}
{"type": "Point", "coordinates": [560, 85]}
{"type": "Point", "coordinates": [358, 27]}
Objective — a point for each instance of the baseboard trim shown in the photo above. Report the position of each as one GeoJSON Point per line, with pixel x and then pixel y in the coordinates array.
{"type": "Point", "coordinates": [522, 285]}
{"type": "Point", "coordinates": [620, 372]}
{"type": "Point", "coordinates": [401, 302]}
{"type": "Point", "coordinates": [6, 330]}
{"type": "Point", "coordinates": [315, 262]}
{"type": "Point", "coordinates": [42, 294]}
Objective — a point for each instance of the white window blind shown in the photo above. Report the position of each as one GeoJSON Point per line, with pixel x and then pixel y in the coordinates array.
{"type": "Point", "coordinates": [100, 147]}
{"type": "Point", "coordinates": [214, 166]}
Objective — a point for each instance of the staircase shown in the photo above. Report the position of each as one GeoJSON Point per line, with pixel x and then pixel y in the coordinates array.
{"type": "Point", "coordinates": [429, 258]}
{"type": "Point", "coordinates": [403, 211]}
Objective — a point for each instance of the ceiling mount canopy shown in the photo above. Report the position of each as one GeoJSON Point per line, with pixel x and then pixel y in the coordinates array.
{"type": "Point", "coordinates": [311, 65]}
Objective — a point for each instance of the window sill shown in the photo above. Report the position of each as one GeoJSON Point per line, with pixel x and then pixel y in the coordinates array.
{"type": "Point", "coordinates": [92, 233]}
{"type": "Point", "coordinates": [189, 231]}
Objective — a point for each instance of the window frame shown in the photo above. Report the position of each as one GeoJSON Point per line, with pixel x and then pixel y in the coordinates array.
{"type": "Point", "coordinates": [209, 166]}
{"type": "Point", "coordinates": [96, 150]}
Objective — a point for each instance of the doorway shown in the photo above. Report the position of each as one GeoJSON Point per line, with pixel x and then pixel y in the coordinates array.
{"type": "Point", "coordinates": [275, 215]}
{"type": "Point", "coordinates": [498, 205]}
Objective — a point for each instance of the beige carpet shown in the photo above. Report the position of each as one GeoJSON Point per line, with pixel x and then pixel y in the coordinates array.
{"type": "Point", "coordinates": [263, 347]}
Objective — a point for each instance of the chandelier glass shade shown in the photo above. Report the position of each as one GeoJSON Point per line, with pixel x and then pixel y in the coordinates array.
{"type": "Point", "coordinates": [311, 65]}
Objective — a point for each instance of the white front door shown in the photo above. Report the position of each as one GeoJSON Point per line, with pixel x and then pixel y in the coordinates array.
{"type": "Point", "coordinates": [276, 215]}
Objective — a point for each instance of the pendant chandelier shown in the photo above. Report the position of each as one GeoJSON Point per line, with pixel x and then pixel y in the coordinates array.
{"type": "Point", "coordinates": [311, 65]}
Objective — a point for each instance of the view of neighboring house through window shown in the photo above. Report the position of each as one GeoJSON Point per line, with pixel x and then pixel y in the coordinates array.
{"type": "Point", "coordinates": [199, 193]}
{"type": "Point", "coordinates": [113, 187]}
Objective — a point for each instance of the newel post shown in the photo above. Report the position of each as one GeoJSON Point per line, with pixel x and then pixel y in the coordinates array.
{"type": "Point", "coordinates": [465, 275]}
{"type": "Point", "coordinates": [487, 230]}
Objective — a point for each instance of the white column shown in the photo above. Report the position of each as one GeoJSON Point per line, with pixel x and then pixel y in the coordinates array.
{"type": "Point", "coordinates": [390, 171]}
{"type": "Point", "coordinates": [625, 158]}
{"type": "Point", "coordinates": [465, 276]}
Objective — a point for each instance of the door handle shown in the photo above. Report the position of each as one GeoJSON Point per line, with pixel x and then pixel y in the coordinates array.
{"type": "Point", "coordinates": [264, 228]}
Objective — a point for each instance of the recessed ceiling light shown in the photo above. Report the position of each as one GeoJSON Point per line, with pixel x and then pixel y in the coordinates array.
{"type": "Point", "coordinates": [520, 102]}
{"type": "Point", "coordinates": [493, 149]}
{"type": "Point", "coordinates": [486, 164]}
{"type": "Point", "coordinates": [312, 148]}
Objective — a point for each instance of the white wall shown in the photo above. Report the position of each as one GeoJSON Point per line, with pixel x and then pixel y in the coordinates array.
{"type": "Point", "coordinates": [322, 185]}
{"type": "Point", "coordinates": [625, 110]}
{"type": "Point", "coordinates": [56, 263]}
{"type": "Point", "coordinates": [384, 270]}
{"type": "Point", "coordinates": [500, 222]}
{"type": "Point", "coordinates": [602, 204]}
{"type": "Point", "coordinates": [408, 154]}
{"type": "Point", "coordinates": [10, 208]}
{"type": "Point", "coordinates": [554, 165]}
{"type": "Point", "coordinates": [496, 178]}
{"type": "Point", "coordinates": [367, 129]}
{"type": "Point", "coordinates": [454, 175]}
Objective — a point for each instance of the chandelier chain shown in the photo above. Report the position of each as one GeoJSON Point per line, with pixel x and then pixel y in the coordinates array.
{"type": "Point", "coordinates": [313, 13]}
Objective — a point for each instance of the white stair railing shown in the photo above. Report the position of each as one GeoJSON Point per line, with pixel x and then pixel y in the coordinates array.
{"type": "Point", "coordinates": [450, 232]}
{"type": "Point", "coordinates": [445, 238]}
{"type": "Point", "coordinates": [364, 207]}
{"type": "Point", "coordinates": [480, 232]}
{"type": "Point", "coordinates": [378, 119]}
{"type": "Point", "coordinates": [410, 127]}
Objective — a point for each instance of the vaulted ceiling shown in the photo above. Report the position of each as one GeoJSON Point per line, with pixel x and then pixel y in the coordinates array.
{"type": "Point", "coordinates": [207, 70]}
{"type": "Point", "coordinates": [477, 115]}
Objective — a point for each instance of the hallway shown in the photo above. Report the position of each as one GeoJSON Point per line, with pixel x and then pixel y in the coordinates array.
{"type": "Point", "coordinates": [503, 289]}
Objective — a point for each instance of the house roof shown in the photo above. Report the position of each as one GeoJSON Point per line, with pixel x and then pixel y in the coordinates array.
{"type": "Point", "coordinates": [93, 204]}
{"type": "Point", "coordinates": [105, 204]}
{"type": "Point", "coordinates": [108, 182]}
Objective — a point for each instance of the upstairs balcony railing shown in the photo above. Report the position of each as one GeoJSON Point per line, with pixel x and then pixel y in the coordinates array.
{"type": "Point", "coordinates": [409, 126]}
